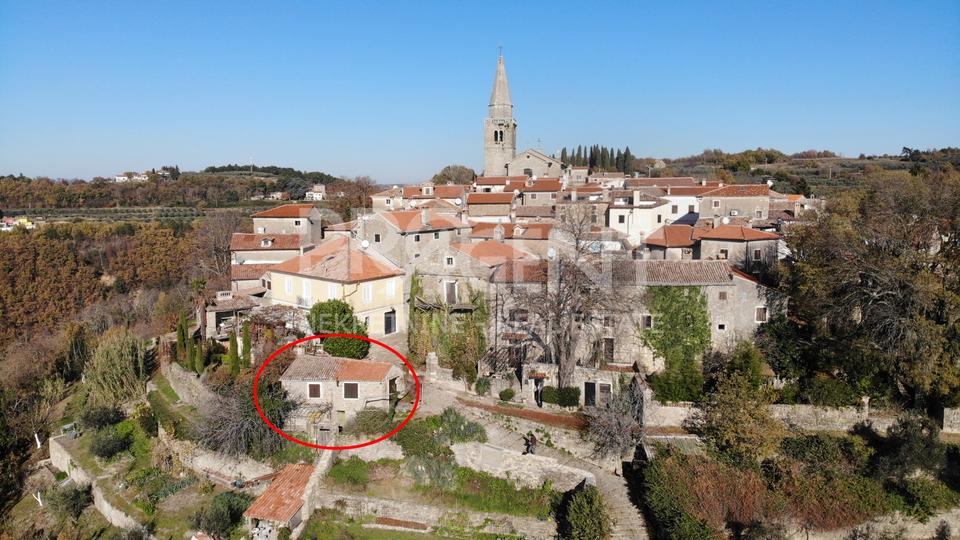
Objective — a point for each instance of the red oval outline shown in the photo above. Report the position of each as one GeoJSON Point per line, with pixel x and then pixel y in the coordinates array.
{"type": "Point", "coordinates": [256, 402]}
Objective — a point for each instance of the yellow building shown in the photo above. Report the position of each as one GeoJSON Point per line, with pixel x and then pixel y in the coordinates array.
{"type": "Point", "coordinates": [341, 269]}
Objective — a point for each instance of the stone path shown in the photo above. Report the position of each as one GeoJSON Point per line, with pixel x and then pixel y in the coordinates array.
{"type": "Point", "coordinates": [628, 522]}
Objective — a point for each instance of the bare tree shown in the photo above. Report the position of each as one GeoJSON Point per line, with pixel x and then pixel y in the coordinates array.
{"type": "Point", "coordinates": [617, 426]}
{"type": "Point", "coordinates": [232, 425]}
{"type": "Point", "coordinates": [212, 242]}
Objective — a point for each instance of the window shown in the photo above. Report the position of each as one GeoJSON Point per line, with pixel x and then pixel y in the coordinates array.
{"type": "Point", "coordinates": [621, 219]}
{"type": "Point", "coordinates": [757, 254]}
{"type": "Point", "coordinates": [269, 285]}
{"type": "Point", "coordinates": [691, 209]}
{"type": "Point", "coordinates": [448, 261]}
{"type": "Point", "coordinates": [723, 295]}
{"type": "Point", "coordinates": [351, 390]}
{"type": "Point", "coordinates": [593, 218]}
{"type": "Point", "coordinates": [367, 293]}
{"type": "Point", "coordinates": [314, 389]}
{"type": "Point", "coordinates": [659, 218]}
{"type": "Point", "coordinates": [263, 283]}
{"type": "Point", "coordinates": [722, 255]}
{"type": "Point", "coordinates": [519, 315]}
{"type": "Point", "coordinates": [436, 236]}
{"type": "Point", "coordinates": [416, 238]}
{"type": "Point", "coordinates": [366, 322]}
{"type": "Point", "coordinates": [609, 321]}
{"type": "Point", "coordinates": [389, 202]}
{"type": "Point", "coordinates": [716, 203]}
{"type": "Point", "coordinates": [391, 289]}
{"type": "Point", "coordinates": [646, 322]}
{"type": "Point", "coordinates": [553, 195]}
{"type": "Point", "coordinates": [533, 196]}
{"type": "Point", "coordinates": [674, 209]}
{"type": "Point", "coordinates": [307, 293]}
{"type": "Point", "coordinates": [416, 255]}
{"type": "Point", "coordinates": [296, 223]}
{"type": "Point", "coordinates": [761, 314]}
{"type": "Point", "coordinates": [288, 285]}
{"type": "Point", "coordinates": [721, 327]}
{"type": "Point", "coordinates": [331, 291]}
{"type": "Point", "coordinates": [760, 214]}
{"type": "Point", "coordinates": [376, 238]}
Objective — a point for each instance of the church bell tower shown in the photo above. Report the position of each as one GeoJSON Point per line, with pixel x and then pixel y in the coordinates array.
{"type": "Point", "coordinates": [499, 128]}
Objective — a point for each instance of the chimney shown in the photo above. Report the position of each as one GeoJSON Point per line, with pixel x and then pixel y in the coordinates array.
{"type": "Point", "coordinates": [703, 182]}
{"type": "Point", "coordinates": [425, 217]}
{"type": "Point", "coordinates": [498, 233]}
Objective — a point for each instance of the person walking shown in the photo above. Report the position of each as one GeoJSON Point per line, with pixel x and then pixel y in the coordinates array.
{"type": "Point", "coordinates": [532, 444]}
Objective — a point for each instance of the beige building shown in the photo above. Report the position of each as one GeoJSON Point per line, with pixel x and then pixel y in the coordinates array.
{"type": "Point", "coordinates": [290, 219]}
{"type": "Point", "coordinates": [342, 270]}
{"type": "Point", "coordinates": [403, 236]}
{"type": "Point", "coordinates": [737, 201]}
{"type": "Point", "coordinates": [490, 207]}
{"type": "Point", "coordinates": [448, 275]}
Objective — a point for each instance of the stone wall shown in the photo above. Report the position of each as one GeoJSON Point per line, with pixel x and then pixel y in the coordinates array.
{"type": "Point", "coordinates": [382, 450]}
{"type": "Point", "coordinates": [892, 523]}
{"type": "Point", "coordinates": [60, 458]}
{"type": "Point", "coordinates": [187, 385]}
{"type": "Point", "coordinates": [435, 516]}
{"type": "Point", "coordinates": [203, 461]}
{"type": "Point", "coordinates": [442, 377]}
{"type": "Point", "coordinates": [951, 420]}
{"type": "Point", "coordinates": [314, 488]}
{"type": "Point", "coordinates": [527, 470]}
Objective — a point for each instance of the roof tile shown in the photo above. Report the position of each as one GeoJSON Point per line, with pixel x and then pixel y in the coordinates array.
{"type": "Point", "coordinates": [284, 497]}
{"type": "Point", "coordinates": [338, 260]}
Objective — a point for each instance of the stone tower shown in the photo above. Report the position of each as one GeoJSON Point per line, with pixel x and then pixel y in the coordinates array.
{"type": "Point", "coordinates": [499, 129]}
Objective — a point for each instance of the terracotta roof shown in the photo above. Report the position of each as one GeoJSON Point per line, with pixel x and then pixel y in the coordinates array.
{"type": "Point", "coordinates": [287, 211]}
{"type": "Point", "coordinates": [671, 236]}
{"type": "Point", "coordinates": [440, 205]}
{"type": "Point", "coordinates": [254, 242]}
{"type": "Point", "coordinates": [498, 180]}
{"type": "Point", "coordinates": [490, 252]}
{"type": "Point", "coordinates": [345, 226]}
{"type": "Point", "coordinates": [248, 271]}
{"type": "Point", "coordinates": [338, 260]}
{"type": "Point", "coordinates": [695, 272]}
{"type": "Point", "coordinates": [521, 271]}
{"type": "Point", "coordinates": [284, 497]}
{"type": "Point", "coordinates": [794, 198]}
{"type": "Point", "coordinates": [527, 231]}
{"type": "Point", "coordinates": [412, 220]}
{"type": "Point", "coordinates": [252, 291]}
{"type": "Point", "coordinates": [586, 188]}
{"type": "Point", "coordinates": [237, 303]}
{"type": "Point", "coordinates": [737, 190]}
{"type": "Point", "coordinates": [490, 198]}
{"type": "Point", "coordinates": [733, 232]}
{"type": "Point", "coordinates": [670, 181]}
{"type": "Point", "coordinates": [444, 192]}
{"type": "Point", "coordinates": [334, 368]}
{"type": "Point", "coordinates": [539, 186]}
{"type": "Point", "coordinates": [643, 201]}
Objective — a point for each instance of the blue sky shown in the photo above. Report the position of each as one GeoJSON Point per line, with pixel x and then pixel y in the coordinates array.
{"type": "Point", "coordinates": [398, 90]}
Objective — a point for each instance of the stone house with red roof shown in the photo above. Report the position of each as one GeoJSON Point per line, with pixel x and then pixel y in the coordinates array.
{"type": "Point", "coordinates": [737, 200]}
{"type": "Point", "coordinates": [290, 219]}
{"type": "Point", "coordinates": [533, 238]}
{"type": "Point", "coordinates": [342, 269]}
{"type": "Point", "coordinates": [447, 275]}
{"type": "Point", "coordinates": [403, 236]}
{"type": "Point", "coordinates": [746, 248]}
{"type": "Point", "coordinates": [346, 385]}
{"type": "Point", "coordinates": [252, 254]}
{"type": "Point", "coordinates": [491, 207]}
{"type": "Point", "coordinates": [282, 503]}
{"type": "Point", "coordinates": [410, 197]}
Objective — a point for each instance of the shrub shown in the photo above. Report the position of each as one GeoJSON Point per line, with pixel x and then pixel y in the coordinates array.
{"type": "Point", "coordinates": [549, 395]}
{"type": "Point", "coordinates": [417, 439]}
{"type": "Point", "coordinates": [107, 443]}
{"type": "Point", "coordinates": [568, 396]}
{"type": "Point", "coordinates": [60, 476]}
{"type": "Point", "coordinates": [482, 386]}
{"type": "Point", "coordinates": [69, 502]}
{"type": "Point", "coordinates": [145, 418]}
{"type": "Point", "coordinates": [455, 428]}
{"type": "Point", "coordinates": [100, 417]}
{"type": "Point", "coordinates": [372, 422]}
{"type": "Point", "coordinates": [831, 393]}
{"type": "Point", "coordinates": [353, 471]}
{"type": "Point", "coordinates": [507, 394]}
{"type": "Point", "coordinates": [283, 533]}
{"type": "Point", "coordinates": [586, 516]}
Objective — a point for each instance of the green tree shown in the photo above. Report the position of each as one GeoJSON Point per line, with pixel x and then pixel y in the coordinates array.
{"type": "Point", "coordinates": [747, 361]}
{"type": "Point", "coordinates": [678, 332]}
{"type": "Point", "coordinates": [736, 419]}
{"type": "Point", "coordinates": [181, 336]}
{"type": "Point", "coordinates": [69, 502]}
{"type": "Point", "coordinates": [336, 317]}
{"type": "Point", "coordinates": [246, 342]}
{"type": "Point", "coordinates": [119, 369]}
{"type": "Point", "coordinates": [455, 174]}
{"type": "Point", "coordinates": [587, 516]}
{"type": "Point", "coordinates": [233, 358]}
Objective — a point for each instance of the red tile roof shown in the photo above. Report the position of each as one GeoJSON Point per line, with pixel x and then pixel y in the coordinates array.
{"type": "Point", "coordinates": [738, 190]}
{"type": "Point", "coordinates": [412, 220]}
{"type": "Point", "coordinates": [490, 252]}
{"type": "Point", "coordinates": [526, 231]}
{"type": "Point", "coordinates": [284, 497]}
{"type": "Point", "coordinates": [521, 271]}
{"type": "Point", "coordinates": [733, 232]}
{"type": "Point", "coordinates": [539, 186]}
{"type": "Point", "coordinates": [671, 236]}
{"type": "Point", "coordinates": [440, 205]}
{"type": "Point", "coordinates": [490, 198]}
{"type": "Point", "coordinates": [248, 271]}
{"type": "Point", "coordinates": [657, 182]}
{"type": "Point", "coordinates": [334, 368]}
{"type": "Point", "coordinates": [287, 211]}
{"type": "Point", "coordinates": [498, 180]}
{"type": "Point", "coordinates": [338, 260]}
{"type": "Point", "coordinates": [254, 242]}
{"type": "Point", "coordinates": [443, 192]}
{"type": "Point", "coordinates": [345, 226]}
{"type": "Point", "coordinates": [696, 272]}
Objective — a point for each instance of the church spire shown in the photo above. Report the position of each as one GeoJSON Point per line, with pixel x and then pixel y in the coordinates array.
{"type": "Point", "coordinates": [500, 104]}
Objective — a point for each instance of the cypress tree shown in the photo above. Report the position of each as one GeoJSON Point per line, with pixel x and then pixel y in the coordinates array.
{"type": "Point", "coordinates": [245, 339]}
{"type": "Point", "coordinates": [193, 360]}
{"type": "Point", "coordinates": [181, 336]}
{"type": "Point", "coordinates": [579, 162]}
{"type": "Point", "coordinates": [619, 160]}
{"type": "Point", "coordinates": [604, 158]}
{"type": "Point", "coordinates": [233, 359]}
{"type": "Point", "coordinates": [627, 162]}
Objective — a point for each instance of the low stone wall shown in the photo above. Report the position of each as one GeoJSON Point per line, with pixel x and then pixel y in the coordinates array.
{"type": "Point", "coordinates": [186, 384]}
{"type": "Point", "coordinates": [892, 523]}
{"type": "Point", "coordinates": [201, 461]}
{"type": "Point", "coordinates": [60, 458]}
{"type": "Point", "coordinates": [314, 488]}
{"type": "Point", "coordinates": [359, 506]}
{"type": "Point", "coordinates": [528, 470]}
{"type": "Point", "coordinates": [382, 450]}
{"type": "Point", "coordinates": [442, 377]}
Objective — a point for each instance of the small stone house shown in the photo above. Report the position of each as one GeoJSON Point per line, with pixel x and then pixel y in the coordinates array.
{"type": "Point", "coordinates": [346, 385]}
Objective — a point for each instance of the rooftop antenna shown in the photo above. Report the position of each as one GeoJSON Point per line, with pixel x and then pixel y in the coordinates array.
{"type": "Point", "coordinates": [501, 50]}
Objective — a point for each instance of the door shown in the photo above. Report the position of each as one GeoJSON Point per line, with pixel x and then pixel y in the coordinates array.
{"type": "Point", "coordinates": [589, 394]}
{"type": "Point", "coordinates": [389, 322]}
{"type": "Point", "coordinates": [604, 395]}
{"type": "Point", "coordinates": [451, 292]}
{"type": "Point", "coordinates": [393, 389]}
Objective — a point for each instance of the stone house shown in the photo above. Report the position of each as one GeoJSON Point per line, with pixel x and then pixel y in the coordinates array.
{"type": "Point", "coordinates": [346, 385]}
{"type": "Point", "coordinates": [533, 238]}
{"type": "Point", "coordinates": [737, 200]}
{"type": "Point", "coordinates": [408, 197]}
{"type": "Point", "coordinates": [282, 503]}
{"type": "Point", "coordinates": [252, 254]}
{"type": "Point", "coordinates": [636, 214]}
{"type": "Point", "coordinates": [745, 248]}
{"type": "Point", "coordinates": [290, 219]}
{"type": "Point", "coordinates": [532, 162]}
{"type": "Point", "coordinates": [223, 313]}
{"type": "Point", "coordinates": [490, 207]}
{"type": "Point", "coordinates": [447, 274]}
{"type": "Point", "coordinates": [535, 191]}
{"type": "Point", "coordinates": [341, 269]}
{"type": "Point", "coordinates": [495, 184]}
{"type": "Point", "coordinates": [670, 243]}
{"type": "Point", "coordinates": [403, 236]}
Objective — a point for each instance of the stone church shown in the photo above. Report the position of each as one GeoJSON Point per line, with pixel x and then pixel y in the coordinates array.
{"type": "Point", "coordinates": [500, 156]}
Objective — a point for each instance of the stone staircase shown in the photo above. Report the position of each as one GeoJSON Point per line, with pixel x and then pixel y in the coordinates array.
{"type": "Point", "coordinates": [627, 520]}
